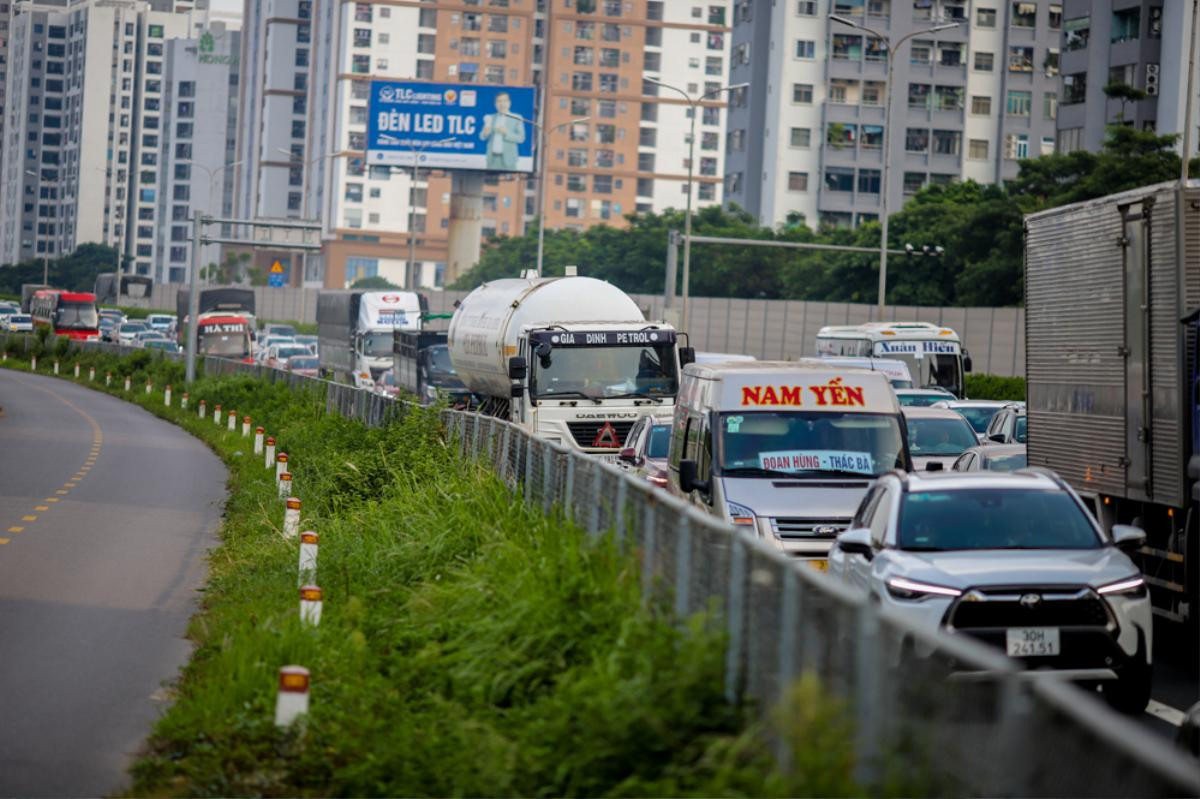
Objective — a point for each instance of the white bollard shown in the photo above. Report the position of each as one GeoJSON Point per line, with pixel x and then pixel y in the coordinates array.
{"type": "Point", "coordinates": [270, 453]}
{"type": "Point", "coordinates": [258, 440]}
{"type": "Point", "coordinates": [292, 700]}
{"type": "Point", "coordinates": [232, 421]}
{"type": "Point", "coordinates": [245, 426]}
{"type": "Point", "coordinates": [291, 518]}
{"type": "Point", "coordinates": [310, 605]}
{"type": "Point", "coordinates": [308, 556]}
{"type": "Point", "coordinates": [183, 401]}
{"type": "Point", "coordinates": [281, 465]}
{"type": "Point", "coordinates": [167, 397]}
{"type": "Point", "coordinates": [33, 363]}
{"type": "Point", "coordinates": [107, 379]}
{"type": "Point", "coordinates": [92, 373]}
{"type": "Point", "coordinates": [217, 414]}
{"type": "Point", "coordinates": [149, 387]}
{"type": "Point", "coordinates": [127, 384]}
{"type": "Point", "coordinates": [5, 357]}
{"type": "Point", "coordinates": [285, 485]}
{"type": "Point", "coordinates": [56, 367]}
{"type": "Point", "coordinates": [202, 411]}
{"type": "Point", "coordinates": [76, 371]}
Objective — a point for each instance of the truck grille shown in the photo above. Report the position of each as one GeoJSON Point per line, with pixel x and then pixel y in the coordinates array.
{"type": "Point", "coordinates": [586, 433]}
{"type": "Point", "coordinates": [1011, 607]}
{"type": "Point", "coordinates": [797, 527]}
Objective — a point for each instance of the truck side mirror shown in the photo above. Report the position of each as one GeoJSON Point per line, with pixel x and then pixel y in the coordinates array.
{"type": "Point", "coordinates": [966, 361]}
{"type": "Point", "coordinates": [686, 355]}
{"type": "Point", "coordinates": [517, 391]}
{"type": "Point", "coordinates": [518, 368]}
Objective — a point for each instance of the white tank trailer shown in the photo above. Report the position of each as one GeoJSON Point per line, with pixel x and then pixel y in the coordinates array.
{"type": "Point", "coordinates": [571, 359]}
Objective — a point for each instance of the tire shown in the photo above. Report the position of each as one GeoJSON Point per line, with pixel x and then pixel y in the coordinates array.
{"type": "Point", "coordinates": [1130, 692]}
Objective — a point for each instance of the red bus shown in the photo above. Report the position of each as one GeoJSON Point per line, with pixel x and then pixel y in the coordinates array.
{"type": "Point", "coordinates": [67, 313]}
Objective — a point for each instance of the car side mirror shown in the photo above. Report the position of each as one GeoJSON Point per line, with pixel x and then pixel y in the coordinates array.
{"type": "Point", "coordinates": [686, 355]}
{"type": "Point", "coordinates": [1128, 538]}
{"type": "Point", "coordinates": [856, 541]}
{"type": "Point", "coordinates": [689, 477]}
{"type": "Point", "coordinates": [629, 455]}
{"type": "Point", "coordinates": [933, 466]}
{"type": "Point", "coordinates": [997, 437]}
{"type": "Point", "coordinates": [518, 368]}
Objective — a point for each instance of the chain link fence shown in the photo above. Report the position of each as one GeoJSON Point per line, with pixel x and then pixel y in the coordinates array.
{"type": "Point", "coordinates": [951, 707]}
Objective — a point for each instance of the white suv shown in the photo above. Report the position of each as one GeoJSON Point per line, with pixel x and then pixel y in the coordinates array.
{"type": "Point", "coordinates": [1014, 560]}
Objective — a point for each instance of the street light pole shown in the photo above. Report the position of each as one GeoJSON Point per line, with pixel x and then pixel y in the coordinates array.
{"type": "Point", "coordinates": [37, 207]}
{"type": "Point", "coordinates": [541, 129]}
{"type": "Point", "coordinates": [693, 103]}
{"type": "Point", "coordinates": [887, 134]}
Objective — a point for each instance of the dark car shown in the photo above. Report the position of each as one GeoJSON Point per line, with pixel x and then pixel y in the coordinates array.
{"type": "Point", "coordinates": [1008, 426]}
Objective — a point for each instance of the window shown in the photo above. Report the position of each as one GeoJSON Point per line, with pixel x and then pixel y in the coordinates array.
{"type": "Point", "coordinates": [949, 98]}
{"type": "Point", "coordinates": [183, 130]}
{"type": "Point", "coordinates": [1050, 105]}
{"type": "Point", "coordinates": [950, 54]}
{"type": "Point", "coordinates": [981, 105]}
{"type": "Point", "coordinates": [1050, 65]}
{"type": "Point", "coordinates": [1020, 59]}
{"type": "Point", "coordinates": [977, 149]}
{"type": "Point", "coordinates": [1074, 88]}
{"type": "Point", "coordinates": [844, 46]}
{"type": "Point", "coordinates": [1055, 16]}
{"type": "Point", "coordinates": [1126, 24]}
{"type": "Point", "coordinates": [606, 134]}
{"type": "Point", "coordinates": [918, 95]}
{"type": "Point", "coordinates": [360, 64]}
{"type": "Point", "coordinates": [806, 8]}
{"type": "Point", "coordinates": [301, 57]}
{"type": "Point", "coordinates": [985, 17]}
{"type": "Point", "coordinates": [841, 134]}
{"type": "Point", "coordinates": [920, 52]}
{"type": "Point", "coordinates": [802, 93]}
{"type": "Point", "coordinates": [802, 137]}
{"type": "Point", "coordinates": [871, 138]}
{"type": "Point", "coordinates": [1016, 146]}
{"type": "Point", "coordinates": [916, 140]}
{"type": "Point", "coordinates": [362, 37]}
{"type": "Point", "coordinates": [947, 142]}
{"type": "Point", "coordinates": [602, 184]}
{"type": "Point", "coordinates": [354, 192]}
{"type": "Point", "coordinates": [362, 12]}
{"type": "Point", "coordinates": [1069, 140]}
{"type": "Point", "coordinates": [913, 182]}
{"type": "Point", "coordinates": [839, 178]}
{"type": "Point", "coordinates": [806, 49]}
{"type": "Point", "coordinates": [1018, 103]}
{"type": "Point", "coordinates": [1024, 15]}
{"type": "Point", "coordinates": [984, 61]}
{"type": "Point", "coordinates": [581, 81]}
{"type": "Point", "coordinates": [868, 181]}
{"type": "Point", "coordinates": [798, 181]}
{"type": "Point", "coordinates": [1075, 33]}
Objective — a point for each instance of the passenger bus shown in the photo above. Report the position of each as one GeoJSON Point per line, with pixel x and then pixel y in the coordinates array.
{"type": "Point", "coordinates": [934, 355]}
{"type": "Point", "coordinates": [66, 313]}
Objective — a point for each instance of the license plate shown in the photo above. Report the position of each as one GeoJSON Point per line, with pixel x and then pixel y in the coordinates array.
{"type": "Point", "coordinates": [1033, 641]}
{"type": "Point", "coordinates": [819, 565]}
{"type": "Point", "coordinates": [607, 459]}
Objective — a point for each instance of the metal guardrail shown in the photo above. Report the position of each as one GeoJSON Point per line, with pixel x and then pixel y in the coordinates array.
{"type": "Point", "coordinates": [997, 732]}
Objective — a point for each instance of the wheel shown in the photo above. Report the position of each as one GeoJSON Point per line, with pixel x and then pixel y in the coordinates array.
{"type": "Point", "coordinates": [1130, 692]}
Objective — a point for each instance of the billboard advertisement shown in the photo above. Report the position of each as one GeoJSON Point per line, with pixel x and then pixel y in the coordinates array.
{"type": "Point", "coordinates": [451, 126]}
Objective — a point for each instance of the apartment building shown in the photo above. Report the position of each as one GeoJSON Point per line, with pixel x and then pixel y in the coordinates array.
{"type": "Point", "coordinates": [807, 137]}
{"type": "Point", "coordinates": [306, 82]}
{"type": "Point", "coordinates": [1141, 44]}
{"type": "Point", "coordinates": [84, 126]}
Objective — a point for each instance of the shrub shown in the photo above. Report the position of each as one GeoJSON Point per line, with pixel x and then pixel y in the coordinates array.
{"type": "Point", "coordinates": [995, 387]}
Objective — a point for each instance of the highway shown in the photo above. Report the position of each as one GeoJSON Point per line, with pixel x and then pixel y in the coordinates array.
{"type": "Point", "coordinates": [106, 513]}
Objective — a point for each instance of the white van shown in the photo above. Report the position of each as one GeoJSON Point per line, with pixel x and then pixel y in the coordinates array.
{"type": "Point", "coordinates": [784, 449]}
{"type": "Point", "coordinates": [896, 371]}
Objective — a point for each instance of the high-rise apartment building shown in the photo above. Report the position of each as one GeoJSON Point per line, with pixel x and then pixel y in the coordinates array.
{"type": "Point", "coordinates": [968, 101]}
{"type": "Point", "coordinates": [81, 158]}
{"type": "Point", "coordinates": [306, 76]}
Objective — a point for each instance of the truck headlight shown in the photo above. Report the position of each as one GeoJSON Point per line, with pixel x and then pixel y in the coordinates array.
{"type": "Point", "coordinates": [740, 514]}
{"type": "Point", "coordinates": [1133, 587]}
{"type": "Point", "coordinates": [901, 588]}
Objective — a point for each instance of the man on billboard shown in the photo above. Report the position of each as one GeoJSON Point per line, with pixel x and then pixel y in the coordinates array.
{"type": "Point", "coordinates": [503, 132]}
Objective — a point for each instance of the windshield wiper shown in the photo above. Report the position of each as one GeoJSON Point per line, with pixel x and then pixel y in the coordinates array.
{"type": "Point", "coordinates": [637, 394]}
{"type": "Point", "coordinates": [557, 394]}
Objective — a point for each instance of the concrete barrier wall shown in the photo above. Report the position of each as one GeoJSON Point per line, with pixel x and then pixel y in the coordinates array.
{"type": "Point", "coordinates": [776, 329]}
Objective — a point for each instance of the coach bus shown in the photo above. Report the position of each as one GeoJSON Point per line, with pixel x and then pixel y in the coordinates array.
{"type": "Point", "coordinates": [66, 313]}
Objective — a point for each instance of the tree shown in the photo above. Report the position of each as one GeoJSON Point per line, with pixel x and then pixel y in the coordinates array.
{"type": "Point", "coordinates": [1117, 90]}
{"type": "Point", "coordinates": [373, 282]}
{"type": "Point", "coordinates": [74, 272]}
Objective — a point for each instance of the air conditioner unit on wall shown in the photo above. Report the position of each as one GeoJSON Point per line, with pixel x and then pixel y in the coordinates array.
{"type": "Point", "coordinates": [1152, 80]}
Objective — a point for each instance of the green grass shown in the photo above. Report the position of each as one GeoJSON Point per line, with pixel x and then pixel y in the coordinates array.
{"type": "Point", "coordinates": [470, 645]}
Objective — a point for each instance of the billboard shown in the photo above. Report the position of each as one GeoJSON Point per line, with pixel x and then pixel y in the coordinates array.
{"type": "Point", "coordinates": [482, 121]}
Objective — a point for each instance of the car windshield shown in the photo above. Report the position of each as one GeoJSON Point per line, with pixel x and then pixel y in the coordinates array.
{"type": "Point", "coordinates": [282, 330]}
{"type": "Point", "coordinates": [292, 352]}
{"type": "Point", "coordinates": [939, 436]}
{"type": "Point", "coordinates": [809, 442]}
{"type": "Point", "coordinates": [302, 363]}
{"type": "Point", "coordinates": [20, 319]}
{"type": "Point", "coordinates": [994, 518]}
{"type": "Point", "coordinates": [920, 400]}
{"type": "Point", "coordinates": [377, 344]}
{"type": "Point", "coordinates": [660, 441]}
{"type": "Point", "coordinates": [1020, 432]}
{"type": "Point", "coordinates": [133, 327]}
{"type": "Point", "coordinates": [601, 371]}
{"type": "Point", "coordinates": [76, 316]}
{"type": "Point", "coordinates": [1006, 463]}
{"type": "Point", "coordinates": [977, 416]}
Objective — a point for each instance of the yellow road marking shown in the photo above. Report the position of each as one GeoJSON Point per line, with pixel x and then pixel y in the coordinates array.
{"type": "Point", "coordinates": [3, 540]}
{"type": "Point", "coordinates": [15, 529]}
{"type": "Point", "coordinates": [29, 518]}
{"type": "Point", "coordinates": [50, 499]}
{"type": "Point", "coordinates": [41, 507]}
{"type": "Point", "coordinates": [60, 491]}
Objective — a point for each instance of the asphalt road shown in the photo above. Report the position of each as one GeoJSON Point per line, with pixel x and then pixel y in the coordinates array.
{"type": "Point", "coordinates": [106, 513]}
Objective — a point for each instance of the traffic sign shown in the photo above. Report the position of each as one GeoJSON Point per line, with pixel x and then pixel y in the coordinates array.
{"type": "Point", "coordinates": [277, 275]}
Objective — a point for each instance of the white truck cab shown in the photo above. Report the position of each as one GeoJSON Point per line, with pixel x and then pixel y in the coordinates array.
{"type": "Point", "coordinates": [784, 450]}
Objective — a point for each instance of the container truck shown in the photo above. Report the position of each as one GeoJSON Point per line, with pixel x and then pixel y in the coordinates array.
{"type": "Point", "coordinates": [1111, 333]}
{"type": "Point", "coordinates": [571, 359]}
{"type": "Point", "coordinates": [355, 330]}
{"type": "Point", "coordinates": [422, 367]}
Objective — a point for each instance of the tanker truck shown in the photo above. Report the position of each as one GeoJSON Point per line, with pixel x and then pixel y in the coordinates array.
{"type": "Point", "coordinates": [570, 359]}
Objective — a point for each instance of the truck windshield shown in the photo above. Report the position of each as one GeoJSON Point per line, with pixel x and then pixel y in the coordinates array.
{"type": "Point", "coordinates": [441, 370]}
{"type": "Point", "coordinates": [761, 443]}
{"type": "Point", "coordinates": [232, 345]}
{"type": "Point", "coordinates": [76, 316]}
{"type": "Point", "coordinates": [377, 344]}
{"type": "Point", "coordinates": [601, 372]}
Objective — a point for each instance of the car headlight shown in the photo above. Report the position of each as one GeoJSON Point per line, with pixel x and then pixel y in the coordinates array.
{"type": "Point", "coordinates": [900, 588]}
{"type": "Point", "coordinates": [1133, 587]}
{"type": "Point", "coordinates": [740, 514]}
